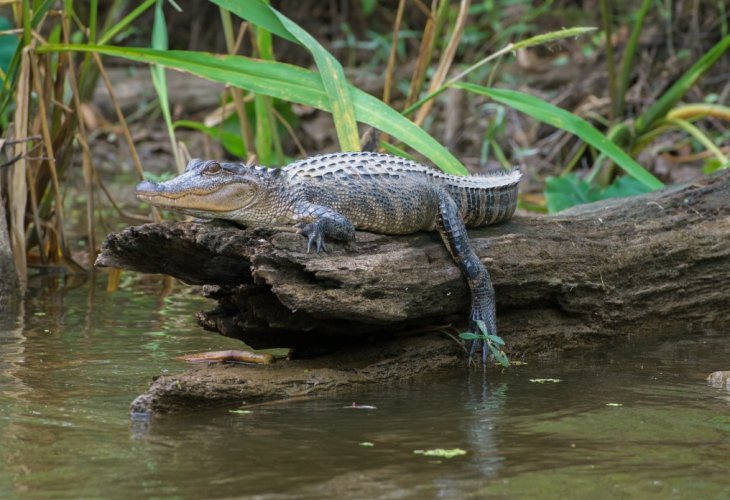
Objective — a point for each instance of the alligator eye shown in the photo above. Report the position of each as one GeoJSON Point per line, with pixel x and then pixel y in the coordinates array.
{"type": "Point", "coordinates": [212, 168]}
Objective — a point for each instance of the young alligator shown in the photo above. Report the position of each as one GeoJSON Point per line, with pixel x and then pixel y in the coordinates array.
{"type": "Point", "coordinates": [329, 196]}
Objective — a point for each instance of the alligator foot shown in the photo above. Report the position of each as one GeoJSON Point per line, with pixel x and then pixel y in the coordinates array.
{"type": "Point", "coordinates": [314, 233]}
{"type": "Point", "coordinates": [483, 322]}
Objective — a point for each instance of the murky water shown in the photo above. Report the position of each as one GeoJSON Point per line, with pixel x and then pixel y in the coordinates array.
{"type": "Point", "coordinates": [635, 421]}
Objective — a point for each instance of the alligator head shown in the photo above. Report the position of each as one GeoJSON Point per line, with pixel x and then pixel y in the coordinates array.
{"type": "Point", "coordinates": [213, 190]}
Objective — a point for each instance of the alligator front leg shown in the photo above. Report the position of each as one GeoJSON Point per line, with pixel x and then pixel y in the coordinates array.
{"type": "Point", "coordinates": [317, 223]}
{"type": "Point", "coordinates": [453, 233]}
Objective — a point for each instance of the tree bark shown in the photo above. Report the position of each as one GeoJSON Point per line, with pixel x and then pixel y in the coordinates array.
{"type": "Point", "coordinates": [615, 268]}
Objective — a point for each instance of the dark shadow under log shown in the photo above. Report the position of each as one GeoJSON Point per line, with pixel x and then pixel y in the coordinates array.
{"type": "Point", "coordinates": [658, 262]}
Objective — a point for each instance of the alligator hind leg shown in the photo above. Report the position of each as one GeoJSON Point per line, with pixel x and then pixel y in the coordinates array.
{"type": "Point", "coordinates": [453, 233]}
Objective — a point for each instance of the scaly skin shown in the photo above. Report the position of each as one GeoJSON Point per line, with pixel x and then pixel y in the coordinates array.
{"type": "Point", "coordinates": [329, 196]}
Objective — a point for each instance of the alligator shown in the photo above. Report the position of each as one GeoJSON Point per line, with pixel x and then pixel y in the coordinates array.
{"type": "Point", "coordinates": [331, 195]}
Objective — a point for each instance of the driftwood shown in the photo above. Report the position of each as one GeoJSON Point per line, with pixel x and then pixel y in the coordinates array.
{"type": "Point", "coordinates": [649, 264]}
{"type": "Point", "coordinates": [617, 267]}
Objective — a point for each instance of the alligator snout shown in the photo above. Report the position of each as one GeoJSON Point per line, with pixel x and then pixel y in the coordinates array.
{"type": "Point", "coordinates": [147, 187]}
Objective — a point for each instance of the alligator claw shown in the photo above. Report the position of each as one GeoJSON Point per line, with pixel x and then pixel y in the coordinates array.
{"type": "Point", "coordinates": [314, 234]}
{"type": "Point", "coordinates": [316, 237]}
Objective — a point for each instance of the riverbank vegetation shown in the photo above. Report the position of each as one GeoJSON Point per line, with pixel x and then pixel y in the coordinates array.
{"type": "Point", "coordinates": [599, 100]}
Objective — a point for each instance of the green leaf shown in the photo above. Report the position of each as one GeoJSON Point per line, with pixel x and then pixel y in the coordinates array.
{"type": "Point", "coordinates": [159, 79]}
{"type": "Point", "coordinates": [470, 336]}
{"type": "Point", "coordinates": [565, 192]}
{"type": "Point", "coordinates": [330, 70]}
{"type": "Point", "coordinates": [258, 13]}
{"type": "Point", "coordinates": [233, 143]}
{"type": "Point", "coordinates": [286, 82]}
{"type": "Point", "coordinates": [570, 190]}
{"type": "Point", "coordinates": [560, 118]}
{"type": "Point", "coordinates": [623, 187]}
{"type": "Point", "coordinates": [482, 326]}
{"type": "Point", "coordinates": [499, 356]}
{"type": "Point", "coordinates": [8, 44]}
{"type": "Point", "coordinates": [495, 339]}
{"type": "Point", "coordinates": [125, 22]}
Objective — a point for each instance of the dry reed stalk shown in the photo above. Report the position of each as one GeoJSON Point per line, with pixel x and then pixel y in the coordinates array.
{"type": "Point", "coordinates": [447, 58]}
{"type": "Point", "coordinates": [60, 249]}
{"type": "Point", "coordinates": [37, 224]}
{"type": "Point", "coordinates": [18, 192]}
{"type": "Point", "coordinates": [393, 52]}
{"type": "Point", "coordinates": [425, 52]}
{"type": "Point", "coordinates": [87, 164]}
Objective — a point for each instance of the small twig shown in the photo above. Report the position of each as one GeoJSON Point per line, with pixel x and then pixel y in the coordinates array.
{"type": "Point", "coordinates": [291, 131]}
{"type": "Point", "coordinates": [3, 142]}
{"type": "Point", "coordinates": [112, 97]}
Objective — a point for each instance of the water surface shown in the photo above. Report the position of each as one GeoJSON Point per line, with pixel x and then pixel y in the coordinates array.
{"type": "Point", "coordinates": [634, 420]}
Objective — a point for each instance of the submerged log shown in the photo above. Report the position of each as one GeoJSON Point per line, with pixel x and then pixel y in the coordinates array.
{"type": "Point", "coordinates": [656, 263]}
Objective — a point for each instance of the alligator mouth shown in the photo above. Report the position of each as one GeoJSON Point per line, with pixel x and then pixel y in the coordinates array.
{"type": "Point", "coordinates": [190, 199]}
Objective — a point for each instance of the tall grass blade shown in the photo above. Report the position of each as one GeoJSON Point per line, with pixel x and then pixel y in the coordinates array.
{"type": "Point", "coordinates": [330, 70]}
{"type": "Point", "coordinates": [125, 22]}
{"type": "Point", "coordinates": [267, 138]}
{"type": "Point", "coordinates": [159, 80]}
{"type": "Point", "coordinates": [237, 94]}
{"type": "Point", "coordinates": [336, 85]}
{"type": "Point", "coordinates": [286, 82]}
{"type": "Point", "coordinates": [665, 103]}
{"type": "Point", "coordinates": [258, 13]}
{"type": "Point", "coordinates": [557, 117]}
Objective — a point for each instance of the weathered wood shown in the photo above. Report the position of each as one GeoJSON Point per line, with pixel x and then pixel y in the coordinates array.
{"type": "Point", "coordinates": [621, 267]}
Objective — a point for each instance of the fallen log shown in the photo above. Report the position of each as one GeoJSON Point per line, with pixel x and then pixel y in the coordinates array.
{"type": "Point", "coordinates": [653, 263]}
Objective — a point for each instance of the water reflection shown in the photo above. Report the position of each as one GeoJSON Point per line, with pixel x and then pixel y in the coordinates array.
{"type": "Point", "coordinates": [634, 420]}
